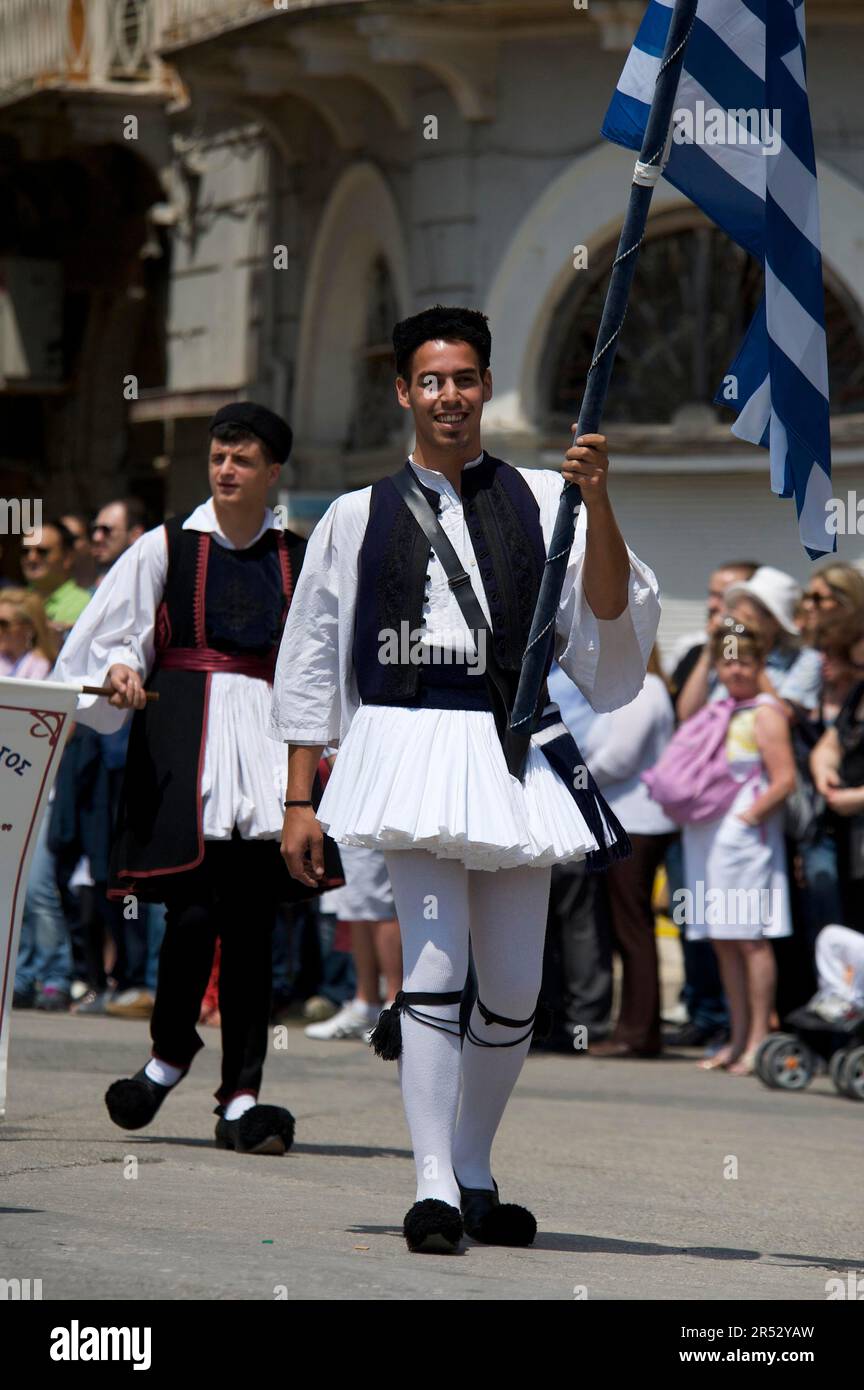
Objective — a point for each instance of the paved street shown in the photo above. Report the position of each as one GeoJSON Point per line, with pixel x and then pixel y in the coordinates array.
{"type": "Point", "coordinates": [622, 1163]}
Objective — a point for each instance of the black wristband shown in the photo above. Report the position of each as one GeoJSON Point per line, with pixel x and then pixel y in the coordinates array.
{"type": "Point", "coordinates": [296, 803]}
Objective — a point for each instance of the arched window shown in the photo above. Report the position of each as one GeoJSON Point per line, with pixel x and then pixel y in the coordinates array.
{"type": "Point", "coordinates": [693, 297]}
{"type": "Point", "coordinates": [375, 420]}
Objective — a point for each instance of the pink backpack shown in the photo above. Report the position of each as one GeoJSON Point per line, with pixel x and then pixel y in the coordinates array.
{"type": "Point", "coordinates": [692, 780]}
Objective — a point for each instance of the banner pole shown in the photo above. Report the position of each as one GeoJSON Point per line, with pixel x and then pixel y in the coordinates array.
{"type": "Point", "coordinates": [648, 169]}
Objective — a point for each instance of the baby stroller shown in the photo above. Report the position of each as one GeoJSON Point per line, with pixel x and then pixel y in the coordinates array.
{"type": "Point", "coordinates": [788, 1061]}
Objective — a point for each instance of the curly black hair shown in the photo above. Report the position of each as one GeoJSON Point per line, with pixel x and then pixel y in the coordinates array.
{"type": "Point", "coordinates": [452, 324]}
{"type": "Point", "coordinates": [231, 432]}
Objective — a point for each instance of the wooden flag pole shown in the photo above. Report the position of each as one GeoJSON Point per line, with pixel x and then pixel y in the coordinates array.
{"type": "Point", "coordinates": [648, 168]}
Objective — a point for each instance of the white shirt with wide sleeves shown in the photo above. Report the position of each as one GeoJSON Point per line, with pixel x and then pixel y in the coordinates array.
{"type": "Point", "coordinates": [242, 784]}
{"type": "Point", "coordinates": [436, 779]}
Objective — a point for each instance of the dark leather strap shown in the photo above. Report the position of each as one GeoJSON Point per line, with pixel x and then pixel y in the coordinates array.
{"type": "Point", "coordinates": [406, 1003]}
{"type": "Point", "coordinates": [489, 1017]}
{"type": "Point", "coordinates": [459, 581]}
{"type": "Point", "coordinates": [454, 997]}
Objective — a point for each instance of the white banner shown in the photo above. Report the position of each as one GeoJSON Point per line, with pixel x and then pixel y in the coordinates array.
{"type": "Point", "coordinates": [36, 718]}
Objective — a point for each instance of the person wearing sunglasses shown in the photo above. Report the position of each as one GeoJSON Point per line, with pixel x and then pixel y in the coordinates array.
{"type": "Point", "coordinates": [834, 591]}
{"type": "Point", "coordinates": [84, 571]}
{"type": "Point", "coordinates": [87, 791]}
{"type": "Point", "coordinates": [47, 562]}
{"type": "Point", "coordinates": [119, 524]}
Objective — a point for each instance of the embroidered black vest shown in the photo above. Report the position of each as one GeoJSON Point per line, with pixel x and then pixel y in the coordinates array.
{"type": "Point", "coordinates": [503, 520]}
{"type": "Point", "coordinates": [221, 609]}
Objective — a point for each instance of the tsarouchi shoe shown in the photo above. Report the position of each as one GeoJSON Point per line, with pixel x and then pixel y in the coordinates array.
{"type": "Point", "coordinates": [263, 1129]}
{"type": "Point", "coordinates": [488, 1220]}
{"type": "Point", "coordinates": [133, 1101]}
{"type": "Point", "coordinates": [433, 1226]}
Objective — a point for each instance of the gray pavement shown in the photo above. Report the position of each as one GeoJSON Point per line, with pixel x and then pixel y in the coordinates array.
{"type": "Point", "coordinates": [622, 1163]}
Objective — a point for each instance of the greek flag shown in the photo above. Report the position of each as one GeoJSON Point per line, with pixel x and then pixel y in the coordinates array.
{"type": "Point", "coordinates": [741, 148]}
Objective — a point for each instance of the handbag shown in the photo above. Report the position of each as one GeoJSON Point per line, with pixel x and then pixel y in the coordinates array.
{"type": "Point", "coordinates": [804, 811]}
{"type": "Point", "coordinates": [548, 729]}
{"type": "Point", "coordinates": [691, 780]}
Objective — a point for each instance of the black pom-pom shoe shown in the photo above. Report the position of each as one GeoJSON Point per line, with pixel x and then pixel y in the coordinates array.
{"type": "Point", "coordinates": [263, 1129]}
{"type": "Point", "coordinates": [433, 1226]}
{"type": "Point", "coordinates": [492, 1222]}
{"type": "Point", "coordinates": [133, 1101]}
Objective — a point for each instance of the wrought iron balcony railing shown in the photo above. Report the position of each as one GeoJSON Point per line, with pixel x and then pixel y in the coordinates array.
{"type": "Point", "coordinates": [92, 45]}
{"type": "Point", "coordinates": [184, 21]}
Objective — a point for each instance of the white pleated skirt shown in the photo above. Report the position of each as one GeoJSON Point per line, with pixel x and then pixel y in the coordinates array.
{"type": "Point", "coordinates": [437, 780]}
{"type": "Point", "coordinates": [244, 773]}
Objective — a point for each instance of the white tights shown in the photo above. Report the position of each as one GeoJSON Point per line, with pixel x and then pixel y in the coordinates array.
{"type": "Point", "coordinates": [438, 901]}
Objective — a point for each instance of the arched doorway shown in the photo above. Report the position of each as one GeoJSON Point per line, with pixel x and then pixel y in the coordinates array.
{"type": "Point", "coordinates": [344, 336]}
{"type": "Point", "coordinates": [694, 294]}
{"type": "Point", "coordinates": [78, 226]}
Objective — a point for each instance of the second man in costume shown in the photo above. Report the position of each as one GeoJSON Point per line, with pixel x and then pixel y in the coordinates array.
{"type": "Point", "coordinates": [193, 612]}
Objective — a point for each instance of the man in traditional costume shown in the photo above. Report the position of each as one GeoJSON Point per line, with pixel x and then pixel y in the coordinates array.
{"type": "Point", "coordinates": [193, 613]}
{"type": "Point", "coordinates": [378, 657]}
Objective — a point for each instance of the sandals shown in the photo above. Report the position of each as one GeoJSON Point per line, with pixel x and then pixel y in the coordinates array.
{"type": "Point", "coordinates": [742, 1065]}
{"type": "Point", "coordinates": [716, 1063]}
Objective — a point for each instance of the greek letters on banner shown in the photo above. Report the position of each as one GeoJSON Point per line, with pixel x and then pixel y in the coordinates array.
{"type": "Point", "coordinates": [35, 720]}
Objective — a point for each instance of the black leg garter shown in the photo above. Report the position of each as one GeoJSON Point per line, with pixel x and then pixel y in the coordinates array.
{"type": "Point", "coordinates": [386, 1039]}
{"type": "Point", "coordinates": [488, 1017]}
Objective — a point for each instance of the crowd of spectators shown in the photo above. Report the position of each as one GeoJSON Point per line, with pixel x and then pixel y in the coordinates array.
{"type": "Point", "coordinates": [776, 679]}
{"type": "Point", "coordinates": [742, 774]}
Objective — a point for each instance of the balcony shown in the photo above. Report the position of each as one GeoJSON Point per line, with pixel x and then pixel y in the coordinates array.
{"type": "Point", "coordinates": [105, 46]}
{"type": "Point", "coordinates": [188, 22]}
{"type": "Point", "coordinates": [114, 46]}
{"type": "Point", "coordinates": [191, 21]}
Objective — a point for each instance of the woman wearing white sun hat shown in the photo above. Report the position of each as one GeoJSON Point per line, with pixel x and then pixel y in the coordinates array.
{"type": "Point", "coordinates": [765, 604]}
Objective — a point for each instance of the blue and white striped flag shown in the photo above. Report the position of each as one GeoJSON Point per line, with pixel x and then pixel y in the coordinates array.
{"type": "Point", "coordinates": [742, 150]}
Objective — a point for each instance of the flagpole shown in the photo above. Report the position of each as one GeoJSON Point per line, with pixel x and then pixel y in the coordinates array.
{"type": "Point", "coordinates": [648, 168]}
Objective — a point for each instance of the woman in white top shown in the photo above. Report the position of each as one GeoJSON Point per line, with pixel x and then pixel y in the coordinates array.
{"type": "Point", "coordinates": [620, 747]}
